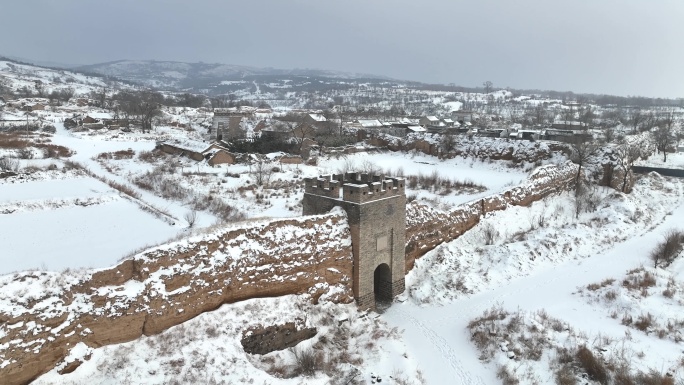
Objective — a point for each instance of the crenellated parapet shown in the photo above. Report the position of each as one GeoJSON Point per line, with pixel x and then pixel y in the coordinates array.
{"type": "Point", "coordinates": [355, 187]}
{"type": "Point", "coordinates": [324, 186]}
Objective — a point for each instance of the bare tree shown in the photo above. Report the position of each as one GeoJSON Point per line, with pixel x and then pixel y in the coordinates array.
{"type": "Point", "coordinates": [261, 172]}
{"type": "Point", "coordinates": [568, 116]}
{"type": "Point", "coordinates": [635, 118]}
{"type": "Point", "coordinates": [649, 121]}
{"type": "Point", "coordinates": [587, 116]}
{"type": "Point", "coordinates": [148, 108]}
{"type": "Point", "coordinates": [487, 86]}
{"type": "Point", "coordinates": [583, 148]}
{"type": "Point", "coordinates": [66, 94]}
{"type": "Point", "coordinates": [609, 134]}
{"type": "Point", "coordinates": [664, 135]}
{"type": "Point", "coordinates": [301, 132]}
{"type": "Point", "coordinates": [448, 143]}
{"type": "Point", "coordinates": [540, 114]}
{"type": "Point", "coordinates": [627, 154]}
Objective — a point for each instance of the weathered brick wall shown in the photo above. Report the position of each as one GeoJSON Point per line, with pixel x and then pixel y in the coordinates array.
{"type": "Point", "coordinates": [168, 285]}
{"type": "Point", "coordinates": [427, 227]}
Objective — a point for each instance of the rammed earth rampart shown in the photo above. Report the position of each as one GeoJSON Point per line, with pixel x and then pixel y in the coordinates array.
{"type": "Point", "coordinates": [169, 284]}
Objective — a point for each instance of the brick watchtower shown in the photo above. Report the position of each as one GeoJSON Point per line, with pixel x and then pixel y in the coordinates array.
{"type": "Point", "coordinates": [376, 210]}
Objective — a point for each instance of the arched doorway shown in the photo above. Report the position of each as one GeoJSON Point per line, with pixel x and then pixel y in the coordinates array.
{"type": "Point", "coordinates": [382, 284]}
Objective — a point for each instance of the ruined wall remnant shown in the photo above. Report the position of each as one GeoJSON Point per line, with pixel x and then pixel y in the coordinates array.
{"type": "Point", "coordinates": [44, 314]}
{"type": "Point", "coordinates": [427, 227]}
{"type": "Point", "coordinates": [264, 340]}
{"type": "Point", "coordinates": [168, 285]}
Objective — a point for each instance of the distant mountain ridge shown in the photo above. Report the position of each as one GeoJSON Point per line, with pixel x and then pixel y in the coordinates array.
{"type": "Point", "coordinates": [181, 75]}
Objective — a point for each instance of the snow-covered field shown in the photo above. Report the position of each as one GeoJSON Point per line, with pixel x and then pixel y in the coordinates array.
{"type": "Point", "coordinates": [74, 222]}
{"type": "Point", "coordinates": [674, 160]}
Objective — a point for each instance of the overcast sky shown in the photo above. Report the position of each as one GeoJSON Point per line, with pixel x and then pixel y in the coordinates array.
{"type": "Point", "coordinates": [624, 47]}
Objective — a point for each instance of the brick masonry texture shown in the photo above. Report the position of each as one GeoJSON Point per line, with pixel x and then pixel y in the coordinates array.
{"type": "Point", "coordinates": [376, 210]}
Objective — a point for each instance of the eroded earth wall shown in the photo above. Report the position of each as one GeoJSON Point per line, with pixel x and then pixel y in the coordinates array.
{"type": "Point", "coordinates": [427, 227]}
{"type": "Point", "coordinates": [43, 315]}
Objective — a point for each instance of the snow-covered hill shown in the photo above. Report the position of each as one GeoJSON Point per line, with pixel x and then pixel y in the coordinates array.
{"type": "Point", "coordinates": [175, 75]}
{"type": "Point", "coordinates": [33, 80]}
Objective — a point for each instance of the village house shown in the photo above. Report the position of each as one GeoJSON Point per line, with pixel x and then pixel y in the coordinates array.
{"type": "Point", "coordinates": [462, 116]}
{"type": "Point", "coordinates": [429, 121]}
{"type": "Point", "coordinates": [369, 124]}
{"type": "Point", "coordinates": [214, 153]}
{"type": "Point", "coordinates": [569, 125]}
{"type": "Point", "coordinates": [226, 124]}
{"type": "Point", "coordinates": [34, 107]}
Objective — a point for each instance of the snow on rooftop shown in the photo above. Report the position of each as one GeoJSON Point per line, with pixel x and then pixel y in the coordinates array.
{"type": "Point", "coordinates": [368, 123]}
{"type": "Point", "coordinates": [188, 144]}
{"type": "Point", "coordinates": [100, 115]}
{"type": "Point", "coordinates": [318, 117]}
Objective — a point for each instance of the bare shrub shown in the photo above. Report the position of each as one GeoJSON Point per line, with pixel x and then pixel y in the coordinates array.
{"type": "Point", "coordinates": [191, 218]}
{"type": "Point", "coordinates": [54, 151]}
{"type": "Point", "coordinates": [506, 377]}
{"type": "Point", "coordinates": [592, 365]}
{"type": "Point", "coordinates": [9, 164]}
{"type": "Point", "coordinates": [565, 376]}
{"type": "Point", "coordinates": [654, 378]}
{"type": "Point", "coordinates": [611, 295]}
{"type": "Point", "coordinates": [25, 153]}
{"type": "Point", "coordinates": [586, 199]}
{"type": "Point", "coordinates": [639, 280]}
{"type": "Point", "coordinates": [307, 362]}
{"type": "Point", "coordinates": [151, 156]}
{"type": "Point", "coordinates": [12, 140]}
{"type": "Point", "coordinates": [667, 250]}
{"type": "Point", "coordinates": [489, 234]}
{"type": "Point", "coordinates": [644, 322]}
{"type": "Point", "coordinates": [483, 331]}
{"type": "Point", "coordinates": [118, 155]}
{"type": "Point", "coordinates": [623, 377]}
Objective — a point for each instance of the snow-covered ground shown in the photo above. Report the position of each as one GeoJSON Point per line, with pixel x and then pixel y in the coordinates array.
{"type": "Point", "coordinates": [541, 269]}
{"type": "Point", "coordinates": [83, 222]}
{"type": "Point", "coordinates": [543, 258]}
{"type": "Point", "coordinates": [674, 160]}
{"type": "Point", "coordinates": [72, 222]}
